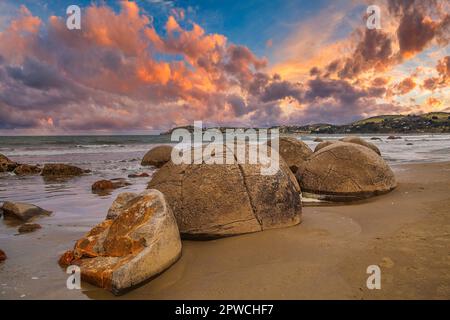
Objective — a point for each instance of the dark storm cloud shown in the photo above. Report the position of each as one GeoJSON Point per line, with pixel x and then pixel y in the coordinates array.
{"type": "Point", "coordinates": [374, 51]}
{"type": "Point", "coordinates": [416, 28]}
{"type": "Point", "coordinates": [36, 75]}
{"type": "Point", "coordinates": [281, 89]}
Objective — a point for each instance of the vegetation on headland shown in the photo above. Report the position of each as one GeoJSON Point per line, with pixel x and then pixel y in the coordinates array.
{"type": "Point", "coordinates": [433, 122]}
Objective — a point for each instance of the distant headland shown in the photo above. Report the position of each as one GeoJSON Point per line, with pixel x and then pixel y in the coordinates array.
{"type": "Point", "coordinates": [433, 122]}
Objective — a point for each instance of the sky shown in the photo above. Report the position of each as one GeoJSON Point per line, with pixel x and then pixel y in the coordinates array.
{"type": "Point", "coordinates": [150, 65]}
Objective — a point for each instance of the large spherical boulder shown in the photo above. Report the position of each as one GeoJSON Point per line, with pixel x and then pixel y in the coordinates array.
{"type": "Point", "coordinates": [217, 200]}
{"type": "Point", "coordinates": [157, 156]}
{"type": "Point", "coordinates": [140, 243]}
{"type": "Point", "coordinates": [362, 142]}
{"type": "Point", "coordinates": [345, 171]}
{"type": "Point", "coordinates": [294, 152]}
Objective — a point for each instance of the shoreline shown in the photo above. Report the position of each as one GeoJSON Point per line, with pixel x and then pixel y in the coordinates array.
{"type": "Point", "coordinates": [405, 232]}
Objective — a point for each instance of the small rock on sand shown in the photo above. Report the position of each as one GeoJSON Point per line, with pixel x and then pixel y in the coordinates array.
{"type": "Point", "coordinates": [22, 211]}
{"type": "Point", "coordinates": [318, 140]}
{"type": "Point", "coordinates": [2, 255]}
{"type": "Point", "coordinates": [393, 138]}
{"type": "Point", "coordinates": [29, 227]}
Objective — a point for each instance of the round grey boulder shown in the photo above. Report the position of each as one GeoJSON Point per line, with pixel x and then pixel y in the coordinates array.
{"type": "Point", "coordinates": [157, 156]}
{"type": "Point", "coordinates": [344, 172]}
{"type": "Point", "coordinates": [218, 200]}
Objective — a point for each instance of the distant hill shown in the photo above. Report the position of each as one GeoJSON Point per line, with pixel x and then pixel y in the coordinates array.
{"type": "Point", "coordinates": [433, 122]}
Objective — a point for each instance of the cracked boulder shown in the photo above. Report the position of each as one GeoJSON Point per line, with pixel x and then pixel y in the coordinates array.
{"type": "Point", "coordinates": [344, 172]}
{"type": "Point", "coordinates": [139, 244]}
{"type": "Point", "coordinates": [294, 152]}
{"type": "Point", "coordinates": [218, 200]}
{"type": "Point", "coordinates": [157, 156]}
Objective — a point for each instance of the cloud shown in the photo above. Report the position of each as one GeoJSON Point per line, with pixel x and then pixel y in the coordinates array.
{"type": "Point", "coordinates": [374, 51]}
{"type": "Point", "coordinates": [118, 73]}
{"type": "Point", "coordinates": [433, 102]}
{"type": "Point", "coordinates": [405, 86]}
{"type": "Point", "coordinates": [443, 67]}
{"type": "Point", "coordinates": [443, 78]}
{"type": "Point", "coordinates": [417, 28]}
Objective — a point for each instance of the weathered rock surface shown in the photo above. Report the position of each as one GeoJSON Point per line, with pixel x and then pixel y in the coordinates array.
{"type": "Point", "coordinates": [325, 144]}
{"type": "Point", "coordinates": [294, 152]}
{"type": "Point", "coordinates": [29, 227]}
{"type": "Point", "coordinates": [2, 255]}
{"type": "Point", "coordinates": [140, 243]}
{"type": "Point", "coordinates": [61, 170]}
{"type": "Point", "coordinates": [118, 204]}
{"type": "Point", "coordinates": [345, 171]}
{"type": "Point", "coordinates": [6, 165]}
{"type": "Point", "coordinates": [217, 200]}
{"type": "Point", "coordinates": [362, 142]}
{"type": "Point", "coordinates": [108, 185]}
{"type": "Point", "coordinates": [157, 156]}
{"type": "Point", "coordinates": [27, 169]}
{"type": "Point", "coordinates": [22, 211]}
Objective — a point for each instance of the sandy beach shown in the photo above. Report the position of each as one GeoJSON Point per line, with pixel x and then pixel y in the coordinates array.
{"type": "Point", "coordinates": [405, 232]}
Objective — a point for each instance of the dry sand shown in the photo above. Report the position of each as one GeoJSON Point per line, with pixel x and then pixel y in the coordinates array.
{"type": "Point", "coordinates": [405, 232]}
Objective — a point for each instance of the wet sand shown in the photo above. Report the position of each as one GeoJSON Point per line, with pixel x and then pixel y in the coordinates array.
{"type": "Point", "coordinates": [405, 232]}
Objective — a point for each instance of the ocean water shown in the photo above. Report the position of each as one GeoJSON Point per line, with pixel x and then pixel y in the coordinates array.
{"type": "Point", "coordinates": [118, 156]}
{"type": "Point", "coordinates": [76, 209]}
